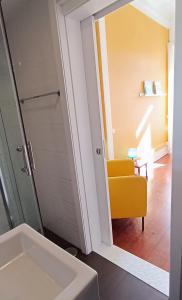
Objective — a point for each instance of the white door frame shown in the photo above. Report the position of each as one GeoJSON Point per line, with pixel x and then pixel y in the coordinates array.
{"type": "Point", "coordinates": [69, 25]}
{"type": "Point", "coordinates": [94, 103]}
{"type": "Point", "coordinates": [170, 94]}
{"type": "Point", "coordinates": [106, 87]}
{"type": "Point", "coordinates": [71, 127]}
{"type": "Point", "coordinates": [79, 122]}
{"type": "Point", "coordinates": [97, 225]}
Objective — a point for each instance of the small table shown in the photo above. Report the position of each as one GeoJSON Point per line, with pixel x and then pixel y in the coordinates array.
{"type": "Point", "coordinates": [138, 164]}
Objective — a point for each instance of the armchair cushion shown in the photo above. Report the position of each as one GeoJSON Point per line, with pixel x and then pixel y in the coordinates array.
{"type": "Point", "coordinates": [128, 196]}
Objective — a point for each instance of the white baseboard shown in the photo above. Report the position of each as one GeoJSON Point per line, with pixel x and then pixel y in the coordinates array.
{"type": "Point", "coordinates": [159, 153]}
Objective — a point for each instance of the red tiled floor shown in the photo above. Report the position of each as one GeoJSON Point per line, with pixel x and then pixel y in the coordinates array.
{"type": "Point", "coordinates": [154, 243]}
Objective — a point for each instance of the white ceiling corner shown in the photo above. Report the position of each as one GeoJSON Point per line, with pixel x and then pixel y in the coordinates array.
{"type": "Point", "coordinates": [161, 11]}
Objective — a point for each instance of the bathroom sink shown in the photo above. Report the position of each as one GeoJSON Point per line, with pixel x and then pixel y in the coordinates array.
{"type": "Point", "coordinates": [33, 268]}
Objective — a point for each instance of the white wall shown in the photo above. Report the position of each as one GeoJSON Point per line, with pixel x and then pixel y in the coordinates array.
{"type": "Point", "coordinates": [29, 32]}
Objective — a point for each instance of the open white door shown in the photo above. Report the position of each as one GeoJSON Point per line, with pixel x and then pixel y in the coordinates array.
{"type": "Point", "coordinates": [96, 122]}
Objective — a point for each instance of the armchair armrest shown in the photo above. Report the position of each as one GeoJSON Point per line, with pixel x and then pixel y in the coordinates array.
{"type": "Point", "coordinates": [128, 196]}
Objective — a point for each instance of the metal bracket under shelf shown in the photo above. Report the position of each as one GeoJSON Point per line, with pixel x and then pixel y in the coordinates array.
{"type": "Point", "coordinates": [152, 95]}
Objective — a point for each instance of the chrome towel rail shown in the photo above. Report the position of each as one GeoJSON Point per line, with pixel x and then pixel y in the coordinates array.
{"type": "Point", "coordinates": [39, 96]}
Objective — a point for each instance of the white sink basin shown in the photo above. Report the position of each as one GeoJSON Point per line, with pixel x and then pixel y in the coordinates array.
{"type": "Point", "coordinates": [33, 268]}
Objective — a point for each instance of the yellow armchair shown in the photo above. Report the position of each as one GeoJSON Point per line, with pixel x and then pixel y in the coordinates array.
{"type": "Point", "coordinates": [128, 193]}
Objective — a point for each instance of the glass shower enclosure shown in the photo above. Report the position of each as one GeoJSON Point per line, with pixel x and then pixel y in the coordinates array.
{"type": "Point", "coordinates": [18, 198]}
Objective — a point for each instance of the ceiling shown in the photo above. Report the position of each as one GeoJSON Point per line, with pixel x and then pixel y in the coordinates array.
{"type": "Point", "coordinates": [161, 11]}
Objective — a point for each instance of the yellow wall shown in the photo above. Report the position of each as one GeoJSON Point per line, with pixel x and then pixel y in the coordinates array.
{"type": "Point", "coordinates": [137, 51]}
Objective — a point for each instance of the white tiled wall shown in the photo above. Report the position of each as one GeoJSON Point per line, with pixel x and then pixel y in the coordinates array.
{"type": "Point", "coordinates": [52, 174]}
{"type": "Point", "coordinates": [29, 32]}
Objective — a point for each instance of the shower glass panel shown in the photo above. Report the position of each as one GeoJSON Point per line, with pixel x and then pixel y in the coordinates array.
{"type": "Point", "coordinates": [4, 224]}
{"type": "Point", "coordinates": [18, 200]}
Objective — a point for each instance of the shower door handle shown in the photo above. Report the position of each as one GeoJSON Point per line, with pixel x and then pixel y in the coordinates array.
{"type": "Point", "coordinates": [31, 155]}
{"type": "Point", "coordinates": [26, 168]}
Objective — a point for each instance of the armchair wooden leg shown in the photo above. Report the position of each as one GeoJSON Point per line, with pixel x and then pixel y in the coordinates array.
{"type": "Point", "coordinates": [143, 224]}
